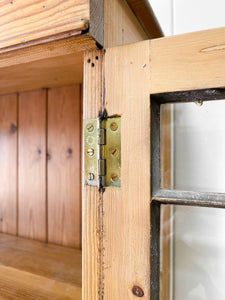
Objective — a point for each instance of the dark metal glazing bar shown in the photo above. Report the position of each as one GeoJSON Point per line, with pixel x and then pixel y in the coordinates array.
{"type": "Point", "coordinates": [189, 96]}
{"type": "Point", "coordinates": [189, 198]}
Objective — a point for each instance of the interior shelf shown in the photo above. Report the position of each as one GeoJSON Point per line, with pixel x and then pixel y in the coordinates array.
{"type": "Point", "coordinates": [35, 270]}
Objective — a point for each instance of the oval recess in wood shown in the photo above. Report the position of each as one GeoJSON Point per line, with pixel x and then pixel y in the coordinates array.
{"type": "Point", "coordinates": [137, 291]}
{"type": "Point", "coordinates": [13, 128]}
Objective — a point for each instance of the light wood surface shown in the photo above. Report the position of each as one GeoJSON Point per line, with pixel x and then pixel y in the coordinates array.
{"type": "Point", "coordinates": [120, 24]}
{"type": "Point", "coordinates": [53, 64]}
{"type": "Point", "coordinates": [92, 234]}
{"type": "Point", "coordinates": [189, 61]}
{"type": "Point", "coordinates": [35, 270]}
{"type": "Point", "coordinates": [8, 163]}
{"type": "Point", "coordinates": [143, 11]}
{"type": "Point", "coordinates": [23, 21]}
{"type": "Point", "coordinates": [126, 210]}
{"type": "Point", "coordinates": [64, 135]}
{"type": "Point", "coordinates": [32, 165]}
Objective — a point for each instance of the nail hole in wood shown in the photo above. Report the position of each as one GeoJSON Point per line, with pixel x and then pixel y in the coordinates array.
{"type": "Point", "coordinates": [92, 65]}
{"type": "Point", "coordinates": [13, 128]}
{"type": "Point", "coordinates": [89, 60]}
{"type": "Point", "coordinates": [96, 57]}
{"type": "Point", "coordinates": [70, 151]}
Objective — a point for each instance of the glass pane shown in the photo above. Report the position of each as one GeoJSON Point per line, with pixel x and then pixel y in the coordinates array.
{"type": "Point", "coordinates": [192, 253]}
{"type": "Point", "coordinates": [195, 154]}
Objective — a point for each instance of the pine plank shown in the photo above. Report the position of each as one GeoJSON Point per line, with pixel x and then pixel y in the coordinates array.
{"type": "Point", "coordinates": [17, 285]}
{"type": "Point", "coordinates": [23, 21]}
{"type": "Point", "coordinates": [189, 61]}
{"type": "Point", "coordinates": [91, 198]}
{"type": "Point", "coordinates": [32, 165]}
{"type": "Point", "coordinates": [51, 261]}
{"type": "Point", "coordinates": [64, 164]}
{"type": "Point", "coordinates": [126, 210]}
{"type": "Point", "coordinates": [8, 163]}
{"type": "Point", "coordinates": [143, 11]}
{"type": "Point", "coordinates": [54, 63]}
{"type": "Point", "coordinates": [120, 24]}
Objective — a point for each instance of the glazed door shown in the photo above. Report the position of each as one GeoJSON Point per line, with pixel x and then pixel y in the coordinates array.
{"type": "Point", "coordinates": [121, 225]}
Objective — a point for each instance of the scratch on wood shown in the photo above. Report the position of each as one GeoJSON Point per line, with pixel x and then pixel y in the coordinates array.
{"type": "Point", "coordinates": [213, 48]}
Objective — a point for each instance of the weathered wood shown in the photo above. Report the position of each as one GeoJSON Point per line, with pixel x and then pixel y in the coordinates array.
{"type": "Point", "coordinates": [143, 11]}
{"type": "Point", "coordinates": [23, 21]}
{"type": "Point", "coordinates": [32, 165]}
{"type": "Point", "coordinates": [188, 62]}
{"type": "Point", "coordinates": [126, 217]}
{"type": "Point", "coordinates": [97, 20]}
{"type": "Point", "coordinates": [8, 163]}
{"type": "Point", "coordinates": [63, 170]}
{"type": "Point", "coordinates": [120, 24]}
{"type": "Point", "coordinates": [92, 200]}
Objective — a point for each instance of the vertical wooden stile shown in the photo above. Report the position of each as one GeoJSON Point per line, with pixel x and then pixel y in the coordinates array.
{"type": "Point", "coordinates": [126, 218]}
{"type": "Point", "coordinates": [8, 163]}
{"type": "Point", "coordinates": [32, 165]}
{"type": "Point", "coordinates": [64, 201]}
{"type": "Point", "coordinates": [92, 247]}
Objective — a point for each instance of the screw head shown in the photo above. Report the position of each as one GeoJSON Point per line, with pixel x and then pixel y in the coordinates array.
{"type": "Point", "coordinates": [114, 151]}
{"type": "Point", "coordinates": [91, 176]}
{"type": "Point", "coordinates": [90, 127]}
{"type": "Point", "coordinates": [90, 152]}
{"type": "Point", "coordinates": [114, 177]}
{"type": "Point", "coordinates": [137, 291]}
{"type": "Point", "coordinates": [114, 126]}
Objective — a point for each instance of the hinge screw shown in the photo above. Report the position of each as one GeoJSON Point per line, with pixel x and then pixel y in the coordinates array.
{"type": "Point", "coordinates": [90, 127]}
{"type": "Point", "coordinates": [114, 126]}
{"type": "Point", "coordinates": [114, 177]}
{"type": "Point", "coordinates": [91, 176]}
{"type": "Point", "coordinates": [114, 151]}
{"type": "Point", "coordinates": [90, 152]}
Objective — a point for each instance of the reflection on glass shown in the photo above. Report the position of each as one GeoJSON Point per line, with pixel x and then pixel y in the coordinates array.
{"type": "Point", "coordinates": [197, 134]}
{"type": "Point", "coordinates": [196, 268]}
{"type": "Point", "coordinates": [192, 239]}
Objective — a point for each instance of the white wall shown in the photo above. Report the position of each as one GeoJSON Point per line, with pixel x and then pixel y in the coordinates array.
{"type": "Point", "coordinates": [199, 164]}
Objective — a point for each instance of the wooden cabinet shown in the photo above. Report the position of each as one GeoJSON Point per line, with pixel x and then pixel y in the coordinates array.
{"type": "Point", "coordinates": [51, 55]}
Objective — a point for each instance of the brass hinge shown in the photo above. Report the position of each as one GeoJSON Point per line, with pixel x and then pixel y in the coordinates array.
{"type": "Point", "coordinates": [102, 152]}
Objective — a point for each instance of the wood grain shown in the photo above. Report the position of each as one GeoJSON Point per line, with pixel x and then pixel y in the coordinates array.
{"type": "Point", "coordinates": [8, 163]}
{"type": "Point", "coordinates": [32, 165]}
{"type": "Point", "coordinates": [64, 163]}
{"type": "Point", "coordinates": [189, 61]}
{"type": "Point", "coordinates": [120, 24]}
{"type": "Point", "coordinates": [53, 64]}
{"type": "Point", "coordinates": [91, 199]}
{"type": "Point", "coordinates": [23, 21]}
{"type": "Point", "coordinates": [17, 285]}
{"type": "Point", "coordinates": [126, 218]}
{"type": "Point", "coordinates": [143, 11]}
{"type": "Point", "coordinates": [50, 261]}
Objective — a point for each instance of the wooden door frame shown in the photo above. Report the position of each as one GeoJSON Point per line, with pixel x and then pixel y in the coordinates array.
{"type": "Point", "coordinates": [116, 222]}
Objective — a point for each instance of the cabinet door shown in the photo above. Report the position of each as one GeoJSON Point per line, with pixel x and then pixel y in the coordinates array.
{"type": "Point", "coordinates": [121, 225]}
